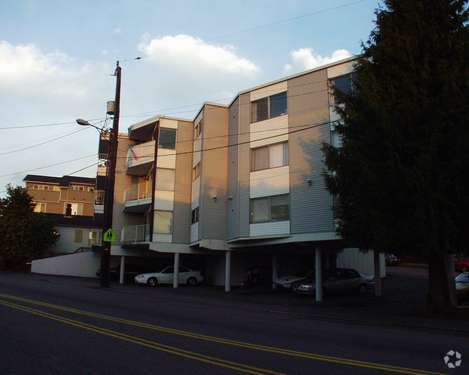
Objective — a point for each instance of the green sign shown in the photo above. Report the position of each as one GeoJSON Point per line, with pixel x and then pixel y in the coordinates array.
{"type": "Point", "coordinates": [110, 236]}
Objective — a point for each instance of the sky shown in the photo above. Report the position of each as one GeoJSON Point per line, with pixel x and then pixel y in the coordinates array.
{"type": "Point", "coordinates": [57, 59]}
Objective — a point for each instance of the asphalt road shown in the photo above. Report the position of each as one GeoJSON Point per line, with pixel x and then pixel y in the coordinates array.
{"type": "Point", "coordinates": [51, 325]}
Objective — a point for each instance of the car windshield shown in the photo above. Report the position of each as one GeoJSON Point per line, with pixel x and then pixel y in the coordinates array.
{"type": "Point", "coordinates": [462, 278]}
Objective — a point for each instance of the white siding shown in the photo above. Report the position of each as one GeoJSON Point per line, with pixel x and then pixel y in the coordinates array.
{"type": "Point", "coordinates": [270, 229]}
{"type": "Point", "coordinates": [276, 127]}
{"type": "Point", "coordinates": [194, 232]}
{"type": "Point", "coordinates": [269, 182]}
{"type": "Point", "coordinates": [269, 90]}
{"type": "Point", "coordinates": [164, 200]}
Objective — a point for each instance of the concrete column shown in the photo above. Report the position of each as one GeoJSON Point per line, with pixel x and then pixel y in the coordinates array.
{"type": "Point", "coordinates": [318, 274]}
{"type": "Point", "coordinates": [228, 271]}
{"type": "Point", "coordinates": [274, 271]}
{"type": "Point", "coordinates": [377, 271]}
{"type": "Point", "coordinates": [176, 271]}
{"type": "Point", "coordinates": [122, 270]}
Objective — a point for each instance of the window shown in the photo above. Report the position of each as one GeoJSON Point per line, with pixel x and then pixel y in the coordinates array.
{"type": "Point", "coordinates": [56, 188]}
{"type": "Point", "coordinates": [275, 208]}
{"type": "Point", "coordinates": [40, 207]}
{"type": "Point", "coordinates": [163, 223]}
{"type": "Point", "coordinates": [167, 138]}
{"type": "Point", "coordinates": [92, 238]}
{"type": "Point", "coordinates": [72, 209]}
{"type": "Point", "coordinates": [168, 270]}
{"type": "Point", "coordinates": [195, 215]}
{"type": "Point", "coordinates": [99, 199]}
{"type": "Point", "coordinates": [165, 179]}
{"type": "Point", "coordinates": [198, 128]}
{"type": "Point", "coordinates": [270, 156]}
{"type": "Point", "coordinates": [342, 84]}
{"type": "Point", "coordinates": [196, 172]}
{"type": "Point", "coordinates": [269, 107]}
{"type": "Point", "coordinates": [78, 236]}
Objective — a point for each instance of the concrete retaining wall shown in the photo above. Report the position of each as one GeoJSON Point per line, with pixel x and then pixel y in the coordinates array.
{"type": "Point", "coordinates": [81, 264]}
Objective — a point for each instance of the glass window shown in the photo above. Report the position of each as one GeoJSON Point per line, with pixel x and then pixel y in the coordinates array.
{"type": "Point", "coordinates": [78, 235]}
{"type": "Point", "coordinates": [260, 210]}
{"type": "Point", "coordinates": [163, 223]}
{"type": "Point", "coordinates": [342, 84]}
{"type": "Point", "coordinates": [196, 172]}
{"type": "Point", "coordinates": [195, 215]}
{"type": "Point", "coordinates": [40, 207]}
{"type": "Point", "coordinates": [165, 179]}
{"type": "Point", "coordinates": [168, 270]}
{"type": "Point", "coordinates": [260, 158]}
{"type": "Point", "coordinates": [271, 156]}
{"type": "Point", "coordinates": [280, 207]}
{"type": "Point", "coordinates": [260, 110]}
{"type": "Point", "coordinates": [275, 208]}
{"type": "Point", "coordinates": [167, 138]}
{"type": "Point", "coordinates": [278, 104]}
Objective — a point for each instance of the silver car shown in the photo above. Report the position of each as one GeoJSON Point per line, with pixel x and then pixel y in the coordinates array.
{"type": "Point", "coordinates": [339, 281]}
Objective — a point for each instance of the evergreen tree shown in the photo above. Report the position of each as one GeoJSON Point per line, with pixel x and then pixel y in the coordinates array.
{"type": "Point", "coordinates": [402, 175]}
{"type": "Point", "coordinates": [25, 235]}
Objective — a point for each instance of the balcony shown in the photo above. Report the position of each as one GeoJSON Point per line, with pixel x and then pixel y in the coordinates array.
{"type": "Point", "coordinates": [138, 198]}
{"type": "Point", "coordinates": [140, 158]}
{"type": "Point", "coordinates": [131, 234]}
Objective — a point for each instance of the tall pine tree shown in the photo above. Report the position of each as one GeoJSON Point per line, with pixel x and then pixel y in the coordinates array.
{"type": "Point", "coordinates": [402, 175]}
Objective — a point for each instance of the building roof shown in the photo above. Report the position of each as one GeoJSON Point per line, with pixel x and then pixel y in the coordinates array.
{"type": "Point", "coordinates": [60, 220]}
{"type": "Point", "coordinates": [62, 181]}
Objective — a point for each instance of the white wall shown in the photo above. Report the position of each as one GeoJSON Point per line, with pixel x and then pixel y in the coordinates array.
{"type": "Point", "coordinates": [81, 264]}
{"type": "Point", "coordinates": [66, 242]}
{"type": "Point", "coordinates": [360, 261]}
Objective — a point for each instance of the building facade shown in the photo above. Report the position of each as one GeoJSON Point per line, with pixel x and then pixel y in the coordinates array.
{"type": "Point", "coordinates": [241, 186]}
{"type": "Point", "coordinates": [70, 202]}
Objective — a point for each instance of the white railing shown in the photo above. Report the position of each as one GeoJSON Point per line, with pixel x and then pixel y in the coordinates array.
{"type": "Point", "coordinates": [138, 191]}
{"type": "Point", "coordinates": [140, 154]}
{"type": "Point", "coordinates": [135, 233]}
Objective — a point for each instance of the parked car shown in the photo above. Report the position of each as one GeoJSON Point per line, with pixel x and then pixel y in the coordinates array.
{"type": "Point", "coordinates": [287, 282]}
{"type": "Point", "coordinates": [462, 286]}
{"type": "Point", "coordinates": [391, 259]}
{"type": "Point", "coordinates": [462, 265]}
{"type": "Point", "coordinates": [165, 276]}
{"type": "Point", "coordinates": [338, 281]}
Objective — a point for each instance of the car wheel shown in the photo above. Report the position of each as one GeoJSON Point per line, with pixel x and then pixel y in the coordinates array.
{"type": "Point", "coordinates": [152, 281]}
{"type": "Point", "coordinates": [192, 281]}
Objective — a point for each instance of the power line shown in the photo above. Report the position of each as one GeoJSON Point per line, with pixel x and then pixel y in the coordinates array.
{"type": "Point", "coordinates": [41, 143]}
{"type": "Point", "coordinates": [82, 169]}
{"type": "Point", "coordinates": [99, 120]}
{"type": "Point", "coordinates": [48, 166]}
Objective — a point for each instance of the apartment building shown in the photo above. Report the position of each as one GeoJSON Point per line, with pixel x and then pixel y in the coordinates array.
{"type": "Point", "coordinates": [240, 186]}
{"type": "Point", "coordinates": [70, 201]}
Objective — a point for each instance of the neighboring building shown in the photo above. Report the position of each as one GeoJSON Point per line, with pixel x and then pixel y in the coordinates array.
{"type": "Point", "coordinates": [239, 187]}
{"type": "Point", "coordinates": [70, 202]}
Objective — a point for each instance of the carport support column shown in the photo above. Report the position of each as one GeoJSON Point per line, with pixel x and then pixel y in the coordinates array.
{"type": "Point", "coordinates": [228, 271]}
{"type": "Point", "coordinates": [122, 270]}
{"type": "Point", "coordinates": [176, 271]}
{"type": "Point", "coordinates": [377, 272]}
{"type": "Point", "coordinates": [274, 272]}
{"type": "Point", "coordinates": [318, 275]}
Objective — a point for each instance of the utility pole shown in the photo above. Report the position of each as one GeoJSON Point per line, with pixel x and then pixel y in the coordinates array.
{"type": "Point", "coordinates": [110, 181]}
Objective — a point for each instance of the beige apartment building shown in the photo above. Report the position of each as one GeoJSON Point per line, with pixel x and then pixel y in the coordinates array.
{"type": "Point", "coordinates": [73, 205]}
{"type": "Point", "coordinates": [238, 187]}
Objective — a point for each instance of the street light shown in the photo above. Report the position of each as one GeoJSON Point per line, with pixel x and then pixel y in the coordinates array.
{"type": "Point", "coordinates": [83, 122]}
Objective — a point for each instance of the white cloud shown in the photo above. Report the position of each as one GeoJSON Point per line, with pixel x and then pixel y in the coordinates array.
{"type": "Point", "coordinates": [307, 58]}
{"type": "Point", "coordinates": [185, 51]}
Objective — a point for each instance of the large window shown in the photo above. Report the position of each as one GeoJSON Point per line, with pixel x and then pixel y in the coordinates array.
{"type": "Point", "coordinates": [342, 84]}
{"type": "Point", "coordinates": [165, 179]}
{"type": "Point", "coordinates": [163, 222]}
{"type": "Point", "coordinates": [269, 107]}
{"type": "Point", "coordinates": [72, 209]}
{"type": "Point", "coordinates": [40, 207]}
{"type": "Point", "coordinates": [78, 236]}
{"type": "Point", "coordinates": [267, 209]}
{"type": "Point", "coordinates": [167, 138]}
{"type": "Point", "coordinates": [270, 156]}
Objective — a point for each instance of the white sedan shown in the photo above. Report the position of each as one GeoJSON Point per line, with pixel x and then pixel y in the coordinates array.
{"type": "Point", "coordinates": [165, 276]}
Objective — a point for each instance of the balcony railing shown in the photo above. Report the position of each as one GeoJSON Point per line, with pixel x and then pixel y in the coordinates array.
{"type": "Point", "coordinates": [137, 192]}
{"type": "Point", "coordinates": [140, 154]}
{"type": "Point", "coordinates": [135, 233]}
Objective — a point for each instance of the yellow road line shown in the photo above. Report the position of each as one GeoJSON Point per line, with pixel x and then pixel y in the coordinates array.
{"type": "Point", "coordinates": [146, 343]}
{"type": "Point", "coordinates": [220, 340]}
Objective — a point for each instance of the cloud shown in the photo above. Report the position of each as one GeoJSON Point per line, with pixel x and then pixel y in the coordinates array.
{"type": "Point", "coordinates": [116, 30]}
{"type": "Point", "coordinates": [188, 52]}
{"type": "Point", "coordinates": [307, 58]}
